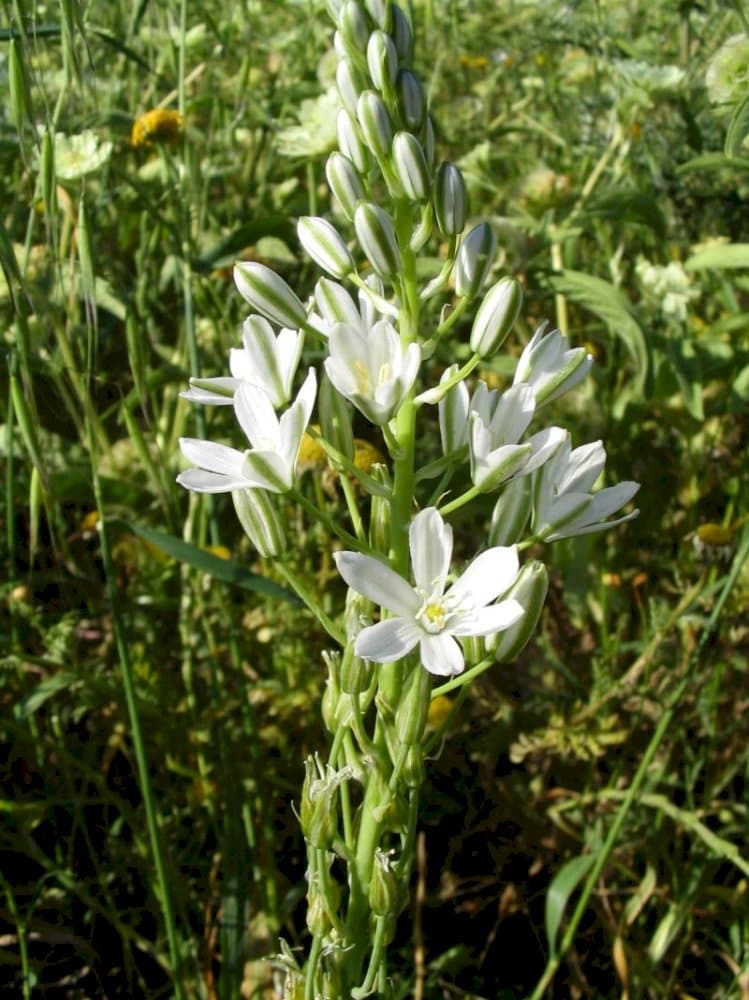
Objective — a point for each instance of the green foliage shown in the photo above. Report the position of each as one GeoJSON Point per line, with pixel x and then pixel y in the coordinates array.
{"type": "Point", "coordinates": [598, 174]}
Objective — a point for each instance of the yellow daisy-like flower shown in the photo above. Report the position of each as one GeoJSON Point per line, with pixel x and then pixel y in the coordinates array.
{"type": "Point", "coordinates": [366, 455]}
{"type": "Point", "coordinates": [157, 125]}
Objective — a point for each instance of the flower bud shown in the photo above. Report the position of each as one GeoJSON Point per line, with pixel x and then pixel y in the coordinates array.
{"type": "Point", "coordinates": [260, 521]}
{"type": "Point", "coordinates": [356, 674]}
{"type": "Point", "coordinates": [346, 82]}
{"type": "Point", "coordinates": [354, 29]}
{"type": "Point", "coordinates": [412, 103]}
{"type": "Point", "coordinates": [413, 772]}
{"type": "Point", "coordinates": [496, 317]}
{"type": "Point", "coordinates": [427, 138]}
{"type": "Point", "coordinates": [379, 515]}
{"type": "Point", "coordinates": [529, 590]}
{"type": "Point", "coordinates": [269, 294]}
{"type": "Point", "coordinates": [411, 166]}
{"type": "Point", "coordinates": [511, 512]}
{"type": "Point", "coordinates": [376, 236]}
{"type": "Point", "coordinates": [384, 890]}
{"type": "Point", "coordinates": [345, 183]}
{"type": "Point", "coordinates": [335, 303]}
{"type": "Point", "coordinates": [382, 61]}
{"type": "Point", "coordinates": [325, 246]}
{"type": "Point", "coordinates": [374, 122]}
{"type": "Point", "coordinates": [450, 199]}
{"type": "Point", "coordinates": [474, 260]}
{"type": "Point", "coordinates": [401, 34]}
{"type": "Point", "coordinates": [381, 13]}
{"type": "Point", "coordinates": [334, 8]}
{"type": "Point", "coordinates": [336, 416]}
{"type": "Point", "coordinates": [350, 142]}
{"type": "Point", "coordinates": [413, 708]}
{"type": "Point", "coordinates": [453, 414]}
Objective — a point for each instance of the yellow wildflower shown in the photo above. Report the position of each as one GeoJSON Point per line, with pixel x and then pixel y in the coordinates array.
{"type": "Point", "coordinates": [366, 455]}
{"type": "Point", "coordinates": [157, 125]}
{"type": "Point", "coordinates": [311, 454]}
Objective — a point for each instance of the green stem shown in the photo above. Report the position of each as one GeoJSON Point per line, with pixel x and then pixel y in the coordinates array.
{"type": "Point", "coordinates": [313, 605]}
{"type": "Point", "coordinates": [460, 501]}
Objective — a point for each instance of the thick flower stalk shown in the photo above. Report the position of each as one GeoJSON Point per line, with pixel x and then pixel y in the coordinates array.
{"type": "Point", "coordinates": [417, 610]}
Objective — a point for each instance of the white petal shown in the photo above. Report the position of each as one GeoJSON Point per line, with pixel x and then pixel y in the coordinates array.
{"type": "Point", "coordinates": [490, 574]}
{"type": "Point", "coordinates": [270, 470]}
{"type": "Point", "coordinates": [212, 456]}
{"type": "Point", "coordinates": [411, 362]}
{"type": "Point", "coordinates": [487, 621]}
{"type": "Point", "coordinates": [545, 444]}
{"type": "Point", "coordinates": [388, 640]}
{"type": "Point", "coordinates": [294, 422]}
{"type": "Point", "coordinates": [256, 416]}
{"type": "Point", "coordinates": [583, 468]}
{"type": "Point", "coordinates": [431, 544]}
{"type": "Point", "coordinates": [223, 395]}
{"type": "Point", "coordinates": [377, 582]}
{"type": "Point", "coordinates": [441, 655]}
{"type": "Point", "coordinates": [611, 499]}
{"type": "Point", "coordinates": [200, 481]}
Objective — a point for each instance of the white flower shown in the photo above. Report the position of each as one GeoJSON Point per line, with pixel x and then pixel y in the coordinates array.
{"type": "Point", "coordinates": [669, 286]}
{"type": "Point", "coordinates": [266, 361]}
{"type": "Point", "coordinates": [497, 422]}
{"type": "Point", "coordinates": [270, 463]}
{"type": "Point", "coordinates": [563, 505]}
{"type": "Point", "coordinates": [728, 73]}
{"type": "Point", "coordinates": [316, 132]}
{"type": "Point", "coordinates": [372, 369]}
{"type": "Point", "coordinates": [77, 155]}
{"type": "Point", "coordinates": [549, 366]}
{"type": "Point", "coordinates": [428, 615]}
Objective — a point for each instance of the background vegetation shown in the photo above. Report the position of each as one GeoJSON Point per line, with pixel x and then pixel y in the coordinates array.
{"type": "Point", "coordinates": [585, 826]}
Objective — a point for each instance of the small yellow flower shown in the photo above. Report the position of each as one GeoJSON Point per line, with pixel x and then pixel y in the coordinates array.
{"type": "Point", "coordinates": [311, 454]}
{"type": "Point", "coordinates": [473, 62]}
{"type": "Point", "coordinates": [366, 455]}
{"type": "Point", "coordinates": [218, 550]}
{"type": "Point", "coordinates": [157, 125]}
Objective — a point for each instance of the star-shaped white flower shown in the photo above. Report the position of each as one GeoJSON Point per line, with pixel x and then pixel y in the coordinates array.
{"type": "Point", "coordinates": [428, 614]}
{"type": "Point", "coordinates": [266, 360]}
{"type": "Point", "coordinates": [270, 463]}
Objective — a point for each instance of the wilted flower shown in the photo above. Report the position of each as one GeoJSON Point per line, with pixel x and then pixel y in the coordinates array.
{"type": "Point", "coordinates": [428, 615]}
{"type": "Point", "coordinates": [157, 125]}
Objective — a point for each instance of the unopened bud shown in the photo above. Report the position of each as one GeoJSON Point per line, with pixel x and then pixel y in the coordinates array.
{"type": "Point", "coordinates": [411, 167]}
{"type": "Point", "coordinates": [354, 29]}
{"type": "Point", "coordinates": [335, 303]}
{"type": "Point", "coordinates": [376, 235]}
{"type": "Point", "coordinates": [511, 512]}
{"type": "Point", "coordinates": [412, 103]}
{"type": "Point", "coordinates": [382, 61]}
{"type": "Point", "coordinates": [529, 590]}
{"type": "Point", "coordinates": [401, 34]}
{"type": "Point", "coordinates": [380, 515]}
{"type": "Point", "coordinates": [324, 245]}
{"type": "Point", "coordinates": [346, 81]}
{"type": "Point", "coordinates": [345, 183]}
{"type": "Point", "coordinates": [450, 199]}
{"type": "Point", "coordinates": [375, 124]}
{"type": "Point", "coordinates": [260, 521]}
{"type": "Point", "coordinates": [381, 13]}
{"type": "Point", "coordinates": [350, 142]}
{"type": "Point", "coordinates": [474, 260]}
{"type": "Point", "coordinates": [496, 317]}
{"type": "Point", "coordinates": [269, 294]}
{"type": "Point", "coordinates": [453, 411]}
{"type": "Point", "coordinates": [427, 139]}
{"type": "Point", "coordinates": [413, 708]}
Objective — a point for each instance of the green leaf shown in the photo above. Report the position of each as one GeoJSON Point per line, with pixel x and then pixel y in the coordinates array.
{"type": "Point", "coordinates": [562, 886]}
{"type": "Point", "coordinates": [628, 206]}
{"type": "Point", "coordinates": [223, 570]}
{"type": "Point", "coordinates": [610, 305]}
{"type": "Point", "coordinates": [712, 161]}
{"type": "Point", "coordinates": [686, 367]}
{"type": "Point", "coordinates": [738, 129]}
{"type": "Point", "coordinates": [42, 692]}
{"type": "Point", "coordinates": [224, 252]}
{"type": "Point", "coordinates": [733, 255]}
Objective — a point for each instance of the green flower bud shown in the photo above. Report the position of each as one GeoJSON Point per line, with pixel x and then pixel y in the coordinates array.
{"type": "Point", "coordinates": [354, 29]}
{"type": "Point", "coordinates": [375, 125]}
{"type": "Point", "coordinates": [384, 889]}
{"type": "Point", "coordinates": [356, 675]}
{"type": "Point", "coordinates": [529, 590]}
{"type": "Point", "coordinates": [335, 303]}
{"type": "Point", "coordinates": [474, 260]}
{"type": "Point", "coordinates": [317, 920]}
{"type": "Point", "coordinates": [325, 246]}
{"type": "Point", "coordinates": [427, 139]}
{"type": "Point", "coordinates": [376, 236]}
{"type": "Point", "coordinates": [346, 83]}
{"type": "Point", "coordinates": [330, 708]}
{"type": "Point", "coordinates": [350, 142]}
{"type": "Point", "coordinates": [334, 8]}
{"type": "Point", "coordinates": [511, 512]}
{"type": "Point", "coordinates": [336, 415]}
{"type": "Point", "coordinates": [414, 772]}
{"type": "Point", "coordinates": [496, 317]}
{"type": "Point", "coordinates": [450, 199]}
{"type": "Point", "coordinates": [412, 103]}
{"type": "Point", "coordinates": [345, 183]}
{"type": "Point", "coordinates": [401, 34]}
{"type": "Point", "coordinates": [413, 708]}
{"type": "Point", "coordinates": [269, 294]}
{"type": "Point", "coordinates": [260, 521]}
{"type": "Point", "coordinates": [382, 61]}
{"type": "Point", "coordinates": [381, 13]}
{"type": "Point", "coordinates": [411, 167]}
{"type": "Point", "coordinates": [379, 516]}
